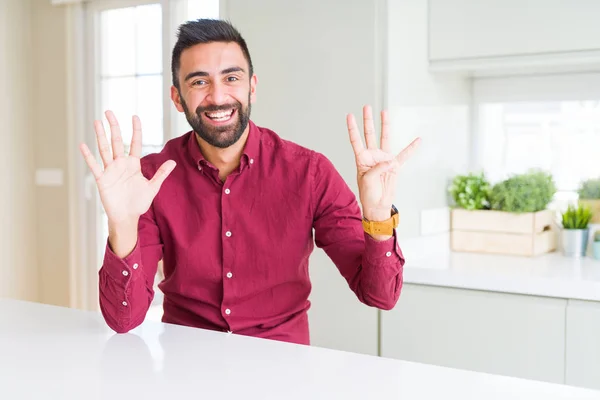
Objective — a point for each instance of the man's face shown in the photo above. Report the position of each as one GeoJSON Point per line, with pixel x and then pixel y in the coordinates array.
{"type": "Point", "coordinates": [216, 92]}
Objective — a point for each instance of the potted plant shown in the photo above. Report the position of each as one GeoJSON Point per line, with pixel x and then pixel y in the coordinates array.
{"type": "Point", "coordinates": [529, 192]}
{"type": "Point", "coordinates": [575, 221]}
{"type": "Point", "coordinates": [589, 195]}
{"type": "Point", "coordinates": [471, 192]}
{"type": "Point", "coordinates": [596, 245]}
{"type": "Point", "coordinates": [510, 217]}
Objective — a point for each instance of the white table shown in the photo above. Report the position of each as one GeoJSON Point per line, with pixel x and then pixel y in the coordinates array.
{"type": "Point", "coordinates": [48, 352]}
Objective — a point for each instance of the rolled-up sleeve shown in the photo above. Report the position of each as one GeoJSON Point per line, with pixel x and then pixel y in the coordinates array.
{"type": "Point", "coordinates": [372, 268]}
{"type": "Point", "coordinates": [126, 285]}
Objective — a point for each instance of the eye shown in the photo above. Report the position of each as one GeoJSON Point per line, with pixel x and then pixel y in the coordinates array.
{"type": "Point", "coordinates": [198, 83]}
{"type": "Point", "coordinates": [232, 78]}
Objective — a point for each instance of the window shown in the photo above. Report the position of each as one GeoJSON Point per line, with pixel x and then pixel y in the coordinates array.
{"type": "Point", "coordinates": [131, 73]}
{"type": "Point", "coordinates": [558, 130]}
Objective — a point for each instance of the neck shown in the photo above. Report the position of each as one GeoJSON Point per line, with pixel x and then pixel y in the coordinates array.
{"type": "Point", "coordinates": [225, 160]}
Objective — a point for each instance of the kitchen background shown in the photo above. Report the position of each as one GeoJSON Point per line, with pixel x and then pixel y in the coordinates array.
{"type": "Point", "coordinates": [501, 275]}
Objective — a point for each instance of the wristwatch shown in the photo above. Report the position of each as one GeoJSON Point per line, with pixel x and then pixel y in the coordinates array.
{"type": "Point", "coordinates": [382, 227]}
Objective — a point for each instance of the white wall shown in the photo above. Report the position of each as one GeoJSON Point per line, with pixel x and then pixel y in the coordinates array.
{"type": "Point", "coordinates": [421, 104]}
{"type": "Point", "coordinates": [316, 61]}
{"type": "Point", "coordinates": [18, 270]}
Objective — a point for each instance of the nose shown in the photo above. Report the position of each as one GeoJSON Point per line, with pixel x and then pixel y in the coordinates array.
{"type": "Point", "coordinates": [218, 93]}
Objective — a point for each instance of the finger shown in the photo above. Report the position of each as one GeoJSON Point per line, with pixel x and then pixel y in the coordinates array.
{"type": "Point", "coordinates": [90, 161]}
{"type": "Point", "coordinates": [355, 141]}
{"type": "Point", "coordinates": [103, 145]}
{"type": "Point", "coordinates": [385, 131]}
{"type": "Point", "coordinates": [163, 172]}
{"type": "Point", "coordinates": [369, 128]}
{"type": "Point", "coordinates": [408, 151]}
{"type": "Point", "coordinates": [383, 167]}
{"type": "Point", "coordinates": [136, 139]}
{"type": "Point", "coordinates": [115, 135]}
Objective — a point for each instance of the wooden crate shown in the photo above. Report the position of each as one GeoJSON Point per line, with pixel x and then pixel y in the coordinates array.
{"type": "Point", "coordinates": [499, 232]}
{"type": "Point", "coordinates": [594, 205]}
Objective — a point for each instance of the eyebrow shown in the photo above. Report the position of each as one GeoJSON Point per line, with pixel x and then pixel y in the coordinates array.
{"type": "Point", "coordinates": [223, 72]}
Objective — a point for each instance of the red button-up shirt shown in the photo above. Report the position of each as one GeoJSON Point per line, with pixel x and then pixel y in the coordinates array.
{"type": "Point", "coordinates": [235, 253]}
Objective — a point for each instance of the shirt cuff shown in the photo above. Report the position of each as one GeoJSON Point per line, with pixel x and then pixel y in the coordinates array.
{"type": "Point", "coordinates": [382, 251]}
{"type": "Point", "coordinates": [123, 270]}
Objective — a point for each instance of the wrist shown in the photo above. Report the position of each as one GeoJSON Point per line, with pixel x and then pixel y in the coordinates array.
{"type": "Point", "coordinates": [377, 215]}
{"type": "Point", "coordinates": [122, 226]}
{"type": "Point", "coordinates": [122, 237]}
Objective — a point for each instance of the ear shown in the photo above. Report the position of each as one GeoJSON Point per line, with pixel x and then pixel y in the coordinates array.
{"type": "Point", "coordinates": [253, 82]}
{"type": "Point", "coordinates": [176, 99]}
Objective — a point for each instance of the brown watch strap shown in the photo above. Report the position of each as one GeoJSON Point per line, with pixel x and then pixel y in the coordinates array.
{"type": "Point", "coordinates": [382, 227]}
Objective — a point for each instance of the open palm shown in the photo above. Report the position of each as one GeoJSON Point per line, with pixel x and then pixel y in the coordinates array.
{"type": "Point", "coordinates": [376, 166]}
{"type": "Point", "coordinates": [124, 191]}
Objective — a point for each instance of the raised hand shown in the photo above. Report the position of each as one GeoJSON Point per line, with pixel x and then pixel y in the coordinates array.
{"type": "Point", "coordinates": [124, 191]}
{"type": "Point", "coordinates": [376, 166]}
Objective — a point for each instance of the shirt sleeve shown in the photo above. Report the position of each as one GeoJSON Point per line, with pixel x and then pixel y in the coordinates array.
{"type": "Point", "coordinates": [372, 268]}
{"type": "Point", "coordinates": [126, 284]}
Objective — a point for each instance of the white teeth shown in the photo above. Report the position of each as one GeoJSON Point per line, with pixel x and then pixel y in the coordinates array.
{"type": "Point", "coordinates": [220, 115]}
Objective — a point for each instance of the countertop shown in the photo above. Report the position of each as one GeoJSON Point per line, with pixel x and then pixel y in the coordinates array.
{"type": "Point", "coordinates": [48, 352]}
{"type": "Point", "coordinates": [429, 261]}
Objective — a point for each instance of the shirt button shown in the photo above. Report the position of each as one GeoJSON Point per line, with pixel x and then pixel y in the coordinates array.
{"type": "Point", "coordinates": [389, 253]}
{"type": "Point", "coordinates": [227, 191]}
{"type": "Point", "coordinates": [125, 273]}
{"type": "Point", "coordinates": [124, 303]}
{"type": "Point", "coordinates": [135, 266]}
{"type": "Point", "coordinates": [252, 161]}
{"type": "Point", "coordinates": [199, 168]}
{"type": "Point", "coordinates": [228, 234]}
{"type": "Point", "coordinates": [229, 274]}
{"type": "Point", "coordinates": [227, 311]}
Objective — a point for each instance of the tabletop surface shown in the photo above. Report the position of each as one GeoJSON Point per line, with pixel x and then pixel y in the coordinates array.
{"type": "Point", "coordinates": [49, 352]}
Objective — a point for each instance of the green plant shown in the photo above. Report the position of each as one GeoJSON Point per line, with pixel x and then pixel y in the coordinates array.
{"type": "Point", "coordinates": [576, 217]}
{"type": "Point", "coordinates": [589, 189]}
{"type": "Point", "coordinates": [528, 192]}
{"type": "Point", "coordinates": [471, 192]}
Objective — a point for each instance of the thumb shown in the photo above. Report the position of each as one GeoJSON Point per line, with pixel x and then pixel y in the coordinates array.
{"type": "Point", "coordinates": [382, 167]}
{"type": "Point", "coordinates": [163, 172]}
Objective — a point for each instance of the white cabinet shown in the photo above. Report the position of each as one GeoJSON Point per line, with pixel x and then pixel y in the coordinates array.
{"type": "Point", "coordinates": [461, 31]}
{"type": "Point", "coordinates": [506, 334]}
{"type": "Point", "coordinates": [583, 344]}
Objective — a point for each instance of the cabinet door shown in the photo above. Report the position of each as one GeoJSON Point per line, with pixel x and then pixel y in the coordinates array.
{"type": "Point", "coordinates": [513, 335]}
{"type": "Point", "coordinates": [583, 344]}
{"type": "Point", "coordinates": [465, 29]}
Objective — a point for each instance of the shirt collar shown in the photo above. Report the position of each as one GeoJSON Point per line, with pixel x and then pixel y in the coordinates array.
{"type": "Point", "coordinates": [249, 154]}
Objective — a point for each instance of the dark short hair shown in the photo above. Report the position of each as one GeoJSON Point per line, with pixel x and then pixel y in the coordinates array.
{"type": "Point", "coordinates": [199, 31]}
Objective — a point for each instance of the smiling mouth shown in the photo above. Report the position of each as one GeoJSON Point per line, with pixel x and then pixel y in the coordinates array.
{"type": "Point", "coordinates": [221, 115]}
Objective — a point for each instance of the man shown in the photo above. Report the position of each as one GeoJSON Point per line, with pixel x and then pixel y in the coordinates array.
{"type": "Point", "coordinates": [234, 221]}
